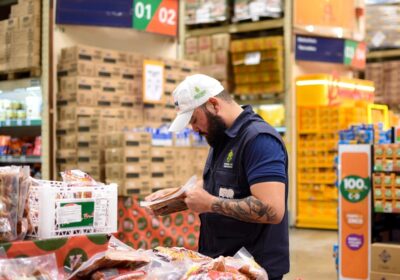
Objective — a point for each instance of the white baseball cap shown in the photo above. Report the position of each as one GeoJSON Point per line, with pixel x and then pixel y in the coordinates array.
{"type": "Point", "coordinates": [191, 93]}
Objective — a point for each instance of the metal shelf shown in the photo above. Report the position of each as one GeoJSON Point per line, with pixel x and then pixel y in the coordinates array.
{"type": "Point", "coordinates": [237, 27]}
{"type": "Point", "coordinates": [383, 54]}
{"type": "Point", "coordinates": [21, 123]}
{"type": "Point", "coordinates": [20, 159]}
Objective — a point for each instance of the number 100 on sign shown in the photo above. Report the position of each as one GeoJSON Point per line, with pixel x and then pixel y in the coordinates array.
{"type": "Point", "coordinates": [156, 16]}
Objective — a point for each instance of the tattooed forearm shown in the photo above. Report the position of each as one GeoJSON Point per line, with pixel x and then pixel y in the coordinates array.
{"type": "Point", "coordinates": [249, 209]}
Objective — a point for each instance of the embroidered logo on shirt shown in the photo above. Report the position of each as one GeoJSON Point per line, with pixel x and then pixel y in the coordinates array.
{"type": "Point", "coordinates": [228, 161]}
{"type": "Point", "coordinates": [226, 193]}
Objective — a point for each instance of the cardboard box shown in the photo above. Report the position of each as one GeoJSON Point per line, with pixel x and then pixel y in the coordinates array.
{"type": "Point", "coordinates": [128, 139]}
{"type": "Point", "coordinates": [83, 84]}
{"type": "Point", "coordinates": [107, 100]}
{"type": "Point", "coordinates": [383, 276]}
{"type": "Point", "coordinates": [205, 57]}
{"type": "Point", "coordinates": [32, 21]}
{"type": "Point", "coordinates": [162, 183]}
{"type": "Point", "coordinates": [126, 87]}
{"type": "Point", "coordinates": [132, 114]}
{"type": "Point", "coordinates": [138, 187]}
{"type": "Point", "coordinates": [127, 171]}
{"type": "Point", "coordinates": [109, 112]}
{"type": "Point", "coordinates": [90, 155]}
{"type": "Point", "coordinates": [221, 41]}
{"type": "Point", "coordinates": [107, 71]}
{"type": "Point", "coordinates": [95, 170]}
{"type": "Point", "coordinates": [205, 43]}
{"type": "Point", "coordinates": [27, 49]}
{"type": "Point", "coordinates": [135, 59]}
{"type": "Point", "coordinates": [162, 170]}
{"type": "Point", "coordinates": [76, 68]}
{"type": "Point", "coordinates": [128, 155]}
{"type": "Point", "coordinates": [189, 67]}
{"type": "Point", "coordinates": [122, 58]}
{"type": "Point", "coordinates": [129, 73]}
{"type": "Point", "coordinates": [79, 98]}
{"type": "Point", "coordinates": [385, 258]}
{"type": "Point", "coordinates": [81, 52]}
{"type": "Point", "coordinates": [23, 62]}
{"type": "Point", "coordinates": [67, 141]}
{"type": "Point", "coordinates": [90, 140]}
{"type": "Point", "coordinates": [110, 56]}
{"type": "Point", "coordinates": [162, 154]}
{"type": "Point", "coordinates": [25, 8]}
{"type": "Point", "coordinates": [112, 86]}
{"type": "Point", "coordinates": [220, 57]}
{"type": "Point", "coordinates": [191, 46]}
{"type": "Point", "coordinates": [71, 113]}
{"type": "Point", "coordinates": [130, 101]}
{"type": "Point", "coordinates": [66, 156]}
{"type": "Point", "coordinates": [23, 36]}
{"type": "Point", "coordinates": [98, 124]}
{"type": "Point", "coordinates": [66, 128]}
{"type": "Point", "coordinates": [12, 24]}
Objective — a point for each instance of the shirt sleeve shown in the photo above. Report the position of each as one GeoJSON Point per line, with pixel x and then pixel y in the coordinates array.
{"type": "Point", "coordinates": [265, 160]}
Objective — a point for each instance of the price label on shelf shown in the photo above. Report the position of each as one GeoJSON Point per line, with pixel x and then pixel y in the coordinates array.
{"type": "Point", "coordinates": [156, 16]}
{"type": "Point", "coordinates": [19, 122]}
{"type": "Point", "coordinates": [7, 123]}
{"type": "Point", "coordinates": [252, 58]}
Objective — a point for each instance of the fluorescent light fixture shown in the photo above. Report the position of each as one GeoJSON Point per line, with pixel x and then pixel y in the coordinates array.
{"type": "Point", "coordinates": [313, 83]}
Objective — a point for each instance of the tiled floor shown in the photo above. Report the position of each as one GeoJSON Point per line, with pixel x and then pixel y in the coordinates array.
{"type": "Point", "coordinates": [311, 255]}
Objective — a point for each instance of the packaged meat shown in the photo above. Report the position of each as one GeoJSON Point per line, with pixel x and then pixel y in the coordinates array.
{"type": "Point", "coordinates": [111, 259]}
{"type": "Point", "coordinates": [179, 254]}
{"type": "Point", "coordinates": [9, 199]}
{"type": "Point", "coordinates": [40, 268]}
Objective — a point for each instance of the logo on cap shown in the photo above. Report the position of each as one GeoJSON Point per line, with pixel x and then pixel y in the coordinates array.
{"type": "Point", "coordinates": [199, 93]}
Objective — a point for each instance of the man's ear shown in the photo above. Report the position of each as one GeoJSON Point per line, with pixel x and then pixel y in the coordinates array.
{"type": "Point", "coordinates": [213, 105]}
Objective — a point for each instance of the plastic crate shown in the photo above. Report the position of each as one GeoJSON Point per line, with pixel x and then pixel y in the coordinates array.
{"type": "Point", "coordinates": [59, 209]}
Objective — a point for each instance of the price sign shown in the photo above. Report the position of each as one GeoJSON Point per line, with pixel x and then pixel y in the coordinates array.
{"type": "Point", "coordinates": [252, 58]}
{"type": "Point", "coordinates": [156, 16]}
{"type": "Point", "coordinates": [153, 81]}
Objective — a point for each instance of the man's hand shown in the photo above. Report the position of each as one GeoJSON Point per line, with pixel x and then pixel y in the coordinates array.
{"type": "Point", "coordinates": [198, 200]}
{"type": "Point", "coordinates": [158, 194]}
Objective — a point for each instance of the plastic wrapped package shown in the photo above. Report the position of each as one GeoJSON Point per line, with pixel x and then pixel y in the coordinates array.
{"type": "Point", "coordinates": [41, 267]}
{"type": "Point", "coordinates": [9, 186]}
{"type": "Point", "coordinates": [3, 254]}
{"type": "Point", "coordinates": [23, 209]}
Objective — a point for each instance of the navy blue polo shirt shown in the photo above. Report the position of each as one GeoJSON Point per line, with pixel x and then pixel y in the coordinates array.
{"type": "Point", "coordinates": [256, 154]}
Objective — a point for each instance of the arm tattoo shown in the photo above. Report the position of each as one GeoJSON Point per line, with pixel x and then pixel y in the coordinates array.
{"type": "Point", "coordinates": [249, 209]}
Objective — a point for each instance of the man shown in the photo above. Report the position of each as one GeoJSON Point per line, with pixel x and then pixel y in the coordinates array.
{"type": "Point", "coordinates": [242, 201]}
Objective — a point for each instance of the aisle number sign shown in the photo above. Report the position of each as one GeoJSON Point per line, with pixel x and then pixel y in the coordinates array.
{"type": "Point", "coordinates": [156, 16]}
{"type": "Point", "coordinates": [354, 211]}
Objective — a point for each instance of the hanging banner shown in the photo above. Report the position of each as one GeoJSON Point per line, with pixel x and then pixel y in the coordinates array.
{"type": "Point", "coordinates": [331, 50]}
{"type": "Point", "coordinates": [354, 211]}
{"type": "Point", "coordinates": [155, 16]}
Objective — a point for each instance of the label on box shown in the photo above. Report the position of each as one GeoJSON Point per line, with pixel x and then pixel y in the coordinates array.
{"type": "Point", "coordinates": [100, 218]}
{"type": "Point", "coordinates": [252, 58]}
{"type": "Point", "coordinates": [75, 214]}
{"type": "Point", "coordinates": [153, 81]}
{"type": "Point", "coordinates": [69, 213]}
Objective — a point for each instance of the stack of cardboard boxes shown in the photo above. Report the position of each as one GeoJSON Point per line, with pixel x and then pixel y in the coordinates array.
{"type": "Point", "coordinates": [99, 92]}
{"type": "Point", "coordinates": [258, 65]}
{"type": "Point", "coordinates": [105, 129]}
{"type": "Point", "coordinates": [385, 261]}
{"type": "Point", "coordinates": [213, 54]}
{"type": "Point", "coordinates": [128, 161]}
{"type": "Point", "coordinates": [20, 37]}
{"type": "Point", "coordinates": [385, 76]}
{"type": "Point", "coordinates": [206, 11]}
{"type": "Point", "coordinates": [254, 10]}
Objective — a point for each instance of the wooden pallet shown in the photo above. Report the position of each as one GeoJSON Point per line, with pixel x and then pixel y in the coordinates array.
{"type": "Point", "coordinates": [20, 74]}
